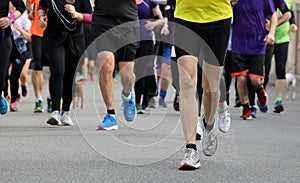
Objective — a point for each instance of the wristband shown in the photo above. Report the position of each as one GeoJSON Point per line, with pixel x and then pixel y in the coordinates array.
{"type": "Point", "coordinates": [12, 18]}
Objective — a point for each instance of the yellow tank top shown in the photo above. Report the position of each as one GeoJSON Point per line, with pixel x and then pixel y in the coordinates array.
{"type": "Point", "coordinates": [203, 11]}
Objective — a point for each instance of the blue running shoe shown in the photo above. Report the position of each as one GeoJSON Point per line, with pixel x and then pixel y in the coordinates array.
{"type": "Point", "coordinates": [49, 105]}
{"type": "Point", "coordinates": [109, 123]}
{"type": "Point", "coordinates": [129, 107]}
{"type": "Point", "coordinates": [253, 111]}
{"type": "Point", "coordinates": [38, 107]}
{"type": "Point", "coordinates": [3, 105]}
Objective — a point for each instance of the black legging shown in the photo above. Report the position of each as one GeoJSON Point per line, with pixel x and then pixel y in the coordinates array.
{"type": "Point", "coordinates": [145, 75]}
{"type": "Point", "coordinates": [63, 63]}
{"type": "Point", "coordinates": [268, 62]}
{"type": "Point", "coordinates": [16, 69]}
{"type": "Point", "coordinates": [5, 50]}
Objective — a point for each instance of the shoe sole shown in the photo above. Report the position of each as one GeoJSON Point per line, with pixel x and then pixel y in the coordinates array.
{"type": "Point", "coordinates": [53, 121]}
{"type": "Point", "coordinates": [187, 166]}
{"type": "Point", "coordinates": [247, 118]}
{"type": "Point", "coordinates": [67, 124]}
{"type": "Point", "coordinates": [223, 131]}
{"type": "Point", "coordinates": [39, 111]}
{"type": "Point", "coordinates": [114, 127]}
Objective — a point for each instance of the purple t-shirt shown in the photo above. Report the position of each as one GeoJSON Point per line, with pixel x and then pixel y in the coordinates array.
{"type": "Point", "coordinates": [248, 28]}
{"type": "Point", "coordinates": [145, 12]}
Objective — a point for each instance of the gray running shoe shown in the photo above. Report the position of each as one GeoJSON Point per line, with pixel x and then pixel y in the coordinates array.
{"type": "Point", "coordinates": [162, 102]}
{"type": "Point", "coordinates": [152, 103]}
{"type": "Point", "coordinates": [191, 160]}
{"type": "Point", "coordinates": [224, 121]}
{"type": "Point", "coordinates": [209, 142]}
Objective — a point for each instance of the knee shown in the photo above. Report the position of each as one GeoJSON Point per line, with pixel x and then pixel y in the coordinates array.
{"type": "Point", "coordinates": [107, 69]}
{"type": "Point", "coordinates": [128, 76]}
{"type": "Point", "coordinates": [242, 80]}
{"type": "Point", "coordinates": [256, 82]}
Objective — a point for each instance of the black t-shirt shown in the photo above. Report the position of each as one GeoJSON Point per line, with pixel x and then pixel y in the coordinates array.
{"type": "Point", "coordinates": [60, 23]}
{"type": "Point", "coordinates": [4, 8]}
{"type": "Point", "coordinates": [114, 12]}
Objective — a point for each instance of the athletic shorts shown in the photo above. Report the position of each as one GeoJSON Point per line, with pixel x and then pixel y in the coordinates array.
{"type": "Point", "coordinates": [253, 65]}
{"type": "Point", "coordinates": [39, 58]}
{"type": "Point", "coordinates": [207, 41]}
{"type": "Point", "coordinates": [122, 41]}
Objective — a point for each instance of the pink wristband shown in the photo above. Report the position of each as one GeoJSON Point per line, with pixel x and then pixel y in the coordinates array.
{"type": "Point", "coordinates": [12, 18]}
{"type": "Point", "coordinates": [87, 18]}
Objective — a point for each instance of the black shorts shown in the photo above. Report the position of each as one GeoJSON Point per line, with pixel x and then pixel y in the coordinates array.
{"type": "Point", "coordinates": [206, 41]}
{"type": "Point", "coordinates": [39, 58]}
{"type": "Point", "coordinates": [122, 41]}
{"type": "Point", "coordinates": [253, 65]}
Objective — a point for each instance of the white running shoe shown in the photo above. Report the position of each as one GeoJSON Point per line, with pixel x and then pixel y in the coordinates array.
{"type": "Point", "coordinates": [224, 121]}
{"type": "Point", "coordinates": [191, 160]}
{"type": "Point", "coordinates": [66, 119]}
{"type": "Point", "coordinates": [55, 118]}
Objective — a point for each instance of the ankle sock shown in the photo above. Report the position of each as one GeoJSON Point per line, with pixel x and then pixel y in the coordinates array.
{"type": "Point", "coordinates": [192, 146]}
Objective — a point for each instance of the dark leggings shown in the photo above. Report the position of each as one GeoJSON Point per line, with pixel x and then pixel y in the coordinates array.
{"type": "Point", "coordinates": [281, 54]}
{"type": "Point", "coordinates": [268, 62]}
{"type": "Point", "coordinates": [144, 70]}
{"type": "Point", "coordinates": [63, 65]}
{"type": "Point", "coordinates": [16, 69]}
{"type": "Point", "coordinates": [5, 50]}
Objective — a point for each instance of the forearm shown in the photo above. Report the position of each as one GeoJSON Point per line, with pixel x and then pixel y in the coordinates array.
{"type": "Point", "coordinates": [283, 18]}
{"type": "Point", "coordinates": [83, 17]}
{"type": "Point", "coordinates": [273, 25]}
{"type": "Point", "coordinates": [29, 7]}
{"type": "Point", "coordinates": [26, 34]}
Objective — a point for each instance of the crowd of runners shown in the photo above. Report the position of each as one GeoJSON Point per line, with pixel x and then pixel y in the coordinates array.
{"type": "Point", "coordinates": [194, 46]}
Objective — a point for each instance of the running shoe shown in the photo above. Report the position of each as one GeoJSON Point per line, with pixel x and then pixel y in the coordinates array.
{"type": "Point", "coordinates": [18, 98]}
{"type": "Point", "coordinates": [176, 102]}
{"type": "Point", "coordinates": [7, 99]}
{"type": "Point", "coordinates": [262, 100]}
{"type": "Point", "coordinates": [3, 105]}
{"type": "Point", "coordinates": [109, 123]}
{"type": "Point", "coordinates": [24, 90]}
{"type": "Point", "coordinates": [209, 141]}
{"type": "Point", "coordinates": [13, 107]}
{"type": "Point", "coordinates": [278, 108]}
{"type": "Point", "coordinates": [253, 111]}
{"type": "Point", "coordinates": [162, 103]}
{"type": "Point", "coordinates": [92, 76]}
{"type": "Point", "coordinates": [129, 110]}
{"type": "Point", "coordinates": [55, 118]}
{"type": "Point", "coordinates": [247, 114]}
{"type": "Point", "coordinates": [199, 132]}
{"type": "Point", "coordinates": [49, 105]}
{"type": "Point", "coordinates": [224, 121]}
{"type": "Point", "coordinates": [66, 119]}
{"type": "Point", "coordinates": [152, 103]}
{"type": "Point", "coordinates": [191, 160]}
{"type": "Point", "coordinates": [139, 109]}
{"type": "Point", "coordinates": [38, 106]}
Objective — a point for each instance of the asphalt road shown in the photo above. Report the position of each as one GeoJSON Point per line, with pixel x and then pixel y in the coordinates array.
{"type": "Point", "coordinates": [265, 149]}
